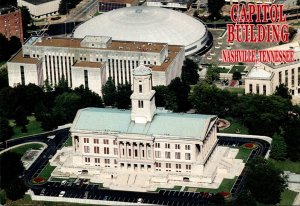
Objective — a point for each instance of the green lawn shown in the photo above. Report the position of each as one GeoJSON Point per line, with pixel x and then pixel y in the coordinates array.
{"type": "Point", "coordinates": [225, 186]}
{"type": "Point", "coordinates": [237, 68]}
{"type": "Point", "coordinates": [243, 153]}
{"type": "Point", "coordinates": [287, 197]}
{"type": "Point", "coordinates": [287, 165]}
{"type": "Point", "coordinates": [46, 172]}
{"type": "Point", "coordinates": [33, 127]}
{"type": "Point", "coordinates": [22, 149]}
{"type": "Point", "coordinates": [235, 127]}
{"type": "Point", "coordinates": [176, 187]}
{"type": "Point", "coordinates": [68, 142]}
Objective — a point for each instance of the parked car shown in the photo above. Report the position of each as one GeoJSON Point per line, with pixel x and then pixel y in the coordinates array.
{"type": "Point", "coordinates": [64, 182]}
{"type": "Point", "coordinates": [62, 193]}
{"type": "Point", "coordinates": [43, 192]}
{"type": "Point", "coordinates": [86, 194]}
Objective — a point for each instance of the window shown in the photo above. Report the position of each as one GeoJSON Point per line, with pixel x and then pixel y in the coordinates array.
{"type": "Point", "coordinates": [105, 141]}
{"type": "Point", "coordinates": [250, 88]}
{"type": "Point", "coordinates": [141, 103]}
{"type": "Point", "coordinates": [107, 161]}
{"type": "Point", "coordinates": [168, 165]}
{"type": "Point", "coordinates": [87, 159]}
{"type": "Point", "coordinates": [168, 155]}
{"type": "Point", "coordinates": [187, 156]}
{"type": "Point", "coordinates": [86, 79]}
{"type": "Point", "coordinates": [157, 145]}
{"type": "Point", "coordinates": [177, 155]}
{"type": "Point", "coordinates": [149, 153]}
{"type": "Point", "coordinates": [140, 87]}
{"type": "Point", "coordinates": [135, 153]}
{"type": "Point", "coordinates": [157, 164]}
{"type": "Point", "coordinates": [86, 140]}
{"type": "Point", "coordinates": [114, 142]}
{"type": "Point", "coordinates": [106, 150]}
{"type": "Point", "coordinates": [115, 151]}
{"type": "Point", "coordinates": [293, 77]}
{"type": "Point", "coordinates": [167, 146]}
{"type": "Point", "coordinates": [264, 89]}
{"type": "Point", "coordinates": [22, 75]}
{"type": "Point", "coordinates": [96, 141]}
{"type": "Point", "coordinates": [188, 167]}
{"type": "Point", "coordinates": [177, 146]}
{"type": "Point", "coordinates": [97, 160]}
{"type": "Point", "coordinates": [280, 77]}
{"type": "Point", "coordinates": [178, 166]}
{"type": "Point", "coordinates": [257, 88]}
{"type": "Point", "coordinates": [129, 152]}
{"type": "Point", "coordinates": [157, 154]}
{"type": "Point", "coordinates": [96, 150]}
{"type": "Point", "coordinates": [286, 77]}
{"type": "Point", "coordinates": [86, 149]}
{"type": "Point", "coordinates": [187, 147]}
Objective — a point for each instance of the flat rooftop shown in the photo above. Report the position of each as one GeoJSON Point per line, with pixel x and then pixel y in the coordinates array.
{"type": "Point", "coordinates": [37, 2]}
{"type": "Point", "coordinates": [19, 58]}
{"type": "Point", "coordinates": [88, 64]}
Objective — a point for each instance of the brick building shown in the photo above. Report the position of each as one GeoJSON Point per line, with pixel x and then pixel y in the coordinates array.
{"type": "Point", "coordinates": [11, 22]}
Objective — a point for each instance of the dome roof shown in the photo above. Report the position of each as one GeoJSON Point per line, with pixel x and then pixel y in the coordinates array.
{"type": "Point", "coordinates": [145, 24]}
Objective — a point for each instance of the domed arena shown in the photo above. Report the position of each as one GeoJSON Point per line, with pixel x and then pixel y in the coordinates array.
{"type": "Point", "coordinates": [147, 24]}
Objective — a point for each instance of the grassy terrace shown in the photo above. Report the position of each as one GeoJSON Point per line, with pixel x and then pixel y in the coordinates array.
{"type": "Point", "coordinates": [287, 197]}
{"type": "Point", "coordinates": [237, 68]}
{"type": "Point", "coordinates": [68, 142]}
{"type": "Point", "coordinates": [46, 171]}
{"type": "Point", "coordinates": [243, 153]}
{"type": "Point", "coordinates": [33, 127]}
{"type": "Point", "coordinates": [287, 165]}
{"type": "Point", "coordinates": [176, 187]}
{"type": "Point", "coordinates": [22, 149]}
{"type": "Point", "coordinates": [239, 90]}
{"type": "Point", "coordinates": [235, 127]}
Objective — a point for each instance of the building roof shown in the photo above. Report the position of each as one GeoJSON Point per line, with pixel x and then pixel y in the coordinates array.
{"type": "Point", "coordinates": [18, 58]}
{"type": "Point", "coordinates": [164, 123]}
{"type": "Point", "coordinates": [260, 73]}
{"type": "Point", "coordinates": [145, 24]}
{"type": "Point", "coordinates": [88, 64]}
{"type": "Point", "coordinates": [37, 2]}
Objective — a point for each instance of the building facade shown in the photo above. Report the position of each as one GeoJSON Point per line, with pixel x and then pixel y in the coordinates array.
{"type": "Point", "coordinates": [91, 60]}
{"type": "Point", "coordinates": [143, 140]}
{"type": "Point", "coordinates": [171, 4]}
{"type": "Point", "coordinates": [40, 8]}
{"type": "Point", "coordinates": [263, 78]}
{"type": "Point", "coordinates": [11, 22]}
{"type": "Point", "coordinates": [108, 5]}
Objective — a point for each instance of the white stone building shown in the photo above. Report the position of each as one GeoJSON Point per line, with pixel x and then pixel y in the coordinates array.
{"type": "Point", "coordinates": [91, 60]}
{"type": "Point", "coordinates": [40, 8]}
{"type": "Point", "coordinates": [263, 78]}
{"type": "Point", "coordinates": [146, 147]}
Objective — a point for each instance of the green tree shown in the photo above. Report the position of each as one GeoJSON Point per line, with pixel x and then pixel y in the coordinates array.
{"type": "Point", "coordinates": [265, 181]}
{"type": "Point", "coordinates": [21, 118]}
{"type": "Point", "coordinates": [14, 45]}
{"type": "Point", "coordinates": [181, 91]}
{"type": "Point", "coordinates": [236, 75]}
{"type": "Point", "coordinates": [124, 92]}
{"type": "Point", "coordinates": [8, 3]}
{"type": "Point", "coordinates": [3, 78]}
{"type": "Point", "coordinates": [291, 134]}
{"type": "Point", "coordinates": [161, 93]}
{"type": "Point", "coordinates": [62, 9]}
{"type": "Point", "coordinates": [189, 73]}
{"type": "Point", "coordinates": [109, 92]}
{"type": "Point", "coordinates": [6, 131]}
{"type": "Point", "coordinates": [212, 74]}
{"type": "Point", "coordinates": [214, 8]}
{"type": "Point", "coordinates": [4, 44]}
{"type": "Point", "coordinates": [283, 91]}
{"type": "Point", "coordinates": [65, 107]}
{"type": "Point", "coordinates": [244, 198]}
{"type": "Point", "coordinates": [26, 19]}
{"type": "Point", "coordinates": [88, 98]}
{"type": "Point", "coordinates": [15, 189]}
{"type": "Point", "coordinates": [279, 147]}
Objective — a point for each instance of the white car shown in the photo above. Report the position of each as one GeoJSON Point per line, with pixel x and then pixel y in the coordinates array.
{"type": "Point", "coordinates": [64, 182]}
{"type": "Point", "coordinates": [62, 193]}
{"type": "Point", "coordinates": [140, 200]}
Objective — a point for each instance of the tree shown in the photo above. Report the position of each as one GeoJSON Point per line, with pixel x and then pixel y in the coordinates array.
{"type": "Point", "coordinates": [212, 74]}
{"type": "Point", "coordinates": [15, 189]}
{"type": "Point", "coordinates": [3, 78]}
{"type": "Point", "coordinates": [214, 8]}
{"type": "Point", "coordinates": [88, 98]}
{"type": "Point", "coordinates": [245, 199]}
{"type": "Point", "coordinates": [279, 147]}
{"type": "Point", "coordinates": [14, 45]}
{"type": "Point", "coordinates": [62, 9]}
{"type": "Point", "coordinates": [181, 92]}
{"type": "Point", "coordinates": [161, 93]}
{"type": "Point", "coordinates": [21, 118]}
{"type": "Point", "coordinates": [65, 107]}
{"type": "Point", "coordinates": [8, 3]}
{"type": "Point", "coordinates": [298, 3]}
{"type": "Point", "coordinates": [6, 131]}
{"type": "Point", "coordinates": [217, 199]}
{"type": "Point", "coordinates": [291, 134]}
{"type": "Point", "coordinates": [189, 73]}
{"type": "Point", "coordinates": [109, 92]}
{"type": "Point", "coordinates": [4, 44]}
{"type": "Point", "coordinates": [236, 75]}
{"type": "Point", "coordinates": [265, 181]}
{"type": "Point", "coordinates": [283, 91]}
{"type": "Point", "coordinates": [26, 19]}
{"type": "Point", "coordinates": [123, 100]}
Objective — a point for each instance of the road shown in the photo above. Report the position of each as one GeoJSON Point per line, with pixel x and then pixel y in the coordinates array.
{"type": "Point", "coordinates": [82, 12]}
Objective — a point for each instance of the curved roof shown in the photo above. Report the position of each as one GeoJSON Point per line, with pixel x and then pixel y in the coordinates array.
{"type": "Point", "coordinates": [145, 24]}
